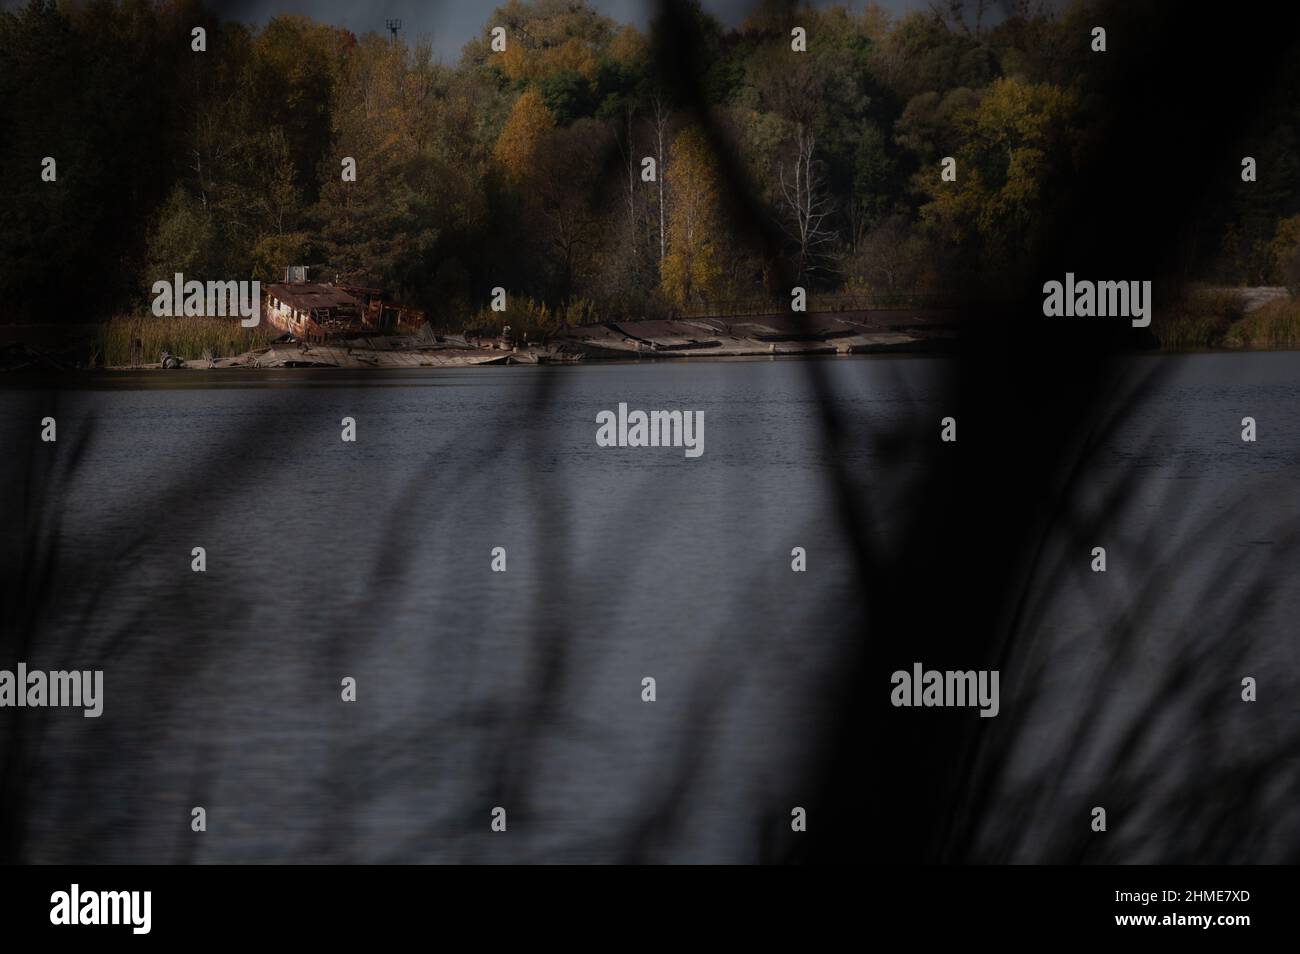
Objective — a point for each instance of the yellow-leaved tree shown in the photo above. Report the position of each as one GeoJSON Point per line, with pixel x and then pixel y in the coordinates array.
{"type": "Point", "coordinates": [691, 269]}
{"type": "Point", "coordinates": [526, 126]}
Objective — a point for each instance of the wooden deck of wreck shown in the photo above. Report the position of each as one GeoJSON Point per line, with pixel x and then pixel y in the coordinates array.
{"type": "Point", "coordinates": [857, 332]}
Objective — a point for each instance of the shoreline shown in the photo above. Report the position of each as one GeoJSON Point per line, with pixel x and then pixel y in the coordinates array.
{"type": "Point", "coordinates": [889, 331]}
{"type": "Point", "coordinates": [45, 350]}
{"type": "Point", "coordinates": [204, 378]}
{"type": "Point", "coordinates": [107, 379]}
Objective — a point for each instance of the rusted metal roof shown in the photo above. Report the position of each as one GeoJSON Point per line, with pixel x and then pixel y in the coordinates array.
{"type": "Point", "coordinates": [304, 296]}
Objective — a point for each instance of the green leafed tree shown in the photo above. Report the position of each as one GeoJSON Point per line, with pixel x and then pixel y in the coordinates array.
{"type": "Point", "coordinates": [1013, 154]}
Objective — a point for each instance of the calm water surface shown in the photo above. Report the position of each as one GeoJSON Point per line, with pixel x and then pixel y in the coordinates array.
{"type": "Point", "coordinates": [372, 559]}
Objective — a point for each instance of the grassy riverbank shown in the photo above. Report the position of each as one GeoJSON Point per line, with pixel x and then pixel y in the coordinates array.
{"type": "Point", "coordinates": [1218, 319]}
{"type": "Point", "coordinates": [1273, 326]}
{"type": "Point", "coordinates": [189, 337]}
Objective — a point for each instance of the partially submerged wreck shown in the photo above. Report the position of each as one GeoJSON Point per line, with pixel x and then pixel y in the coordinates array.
{"type": "Point", "coordinates": [314, 312]}
{"type": "Point", "coordinates": [319, 311]}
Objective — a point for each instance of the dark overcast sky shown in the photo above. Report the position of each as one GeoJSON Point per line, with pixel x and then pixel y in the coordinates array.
{"type": "Point", "coordinates": [450, 23]}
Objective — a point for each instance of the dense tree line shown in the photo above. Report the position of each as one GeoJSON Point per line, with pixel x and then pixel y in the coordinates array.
{"type": "Point", "coordinates": [527, 168]}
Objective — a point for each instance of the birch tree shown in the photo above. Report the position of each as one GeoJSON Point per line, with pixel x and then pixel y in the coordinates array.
{"type": "Point", "coordinates": [807, 203]}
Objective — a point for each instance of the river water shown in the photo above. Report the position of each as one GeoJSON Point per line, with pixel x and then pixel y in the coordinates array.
{"type": "Point", "coordinates": [523, 689]}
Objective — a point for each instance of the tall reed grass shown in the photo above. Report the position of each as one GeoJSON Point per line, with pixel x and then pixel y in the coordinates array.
{"type": "Point", "coordinates": [1201, 319]}
{"type": "Point", "coordinates": [188, 337]}
{"type": "Point", "coordinates": [1273, 325]}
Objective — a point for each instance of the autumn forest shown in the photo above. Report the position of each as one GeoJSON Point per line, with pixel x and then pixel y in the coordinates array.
{"type": "Point", "coordinates": [589, 167]}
